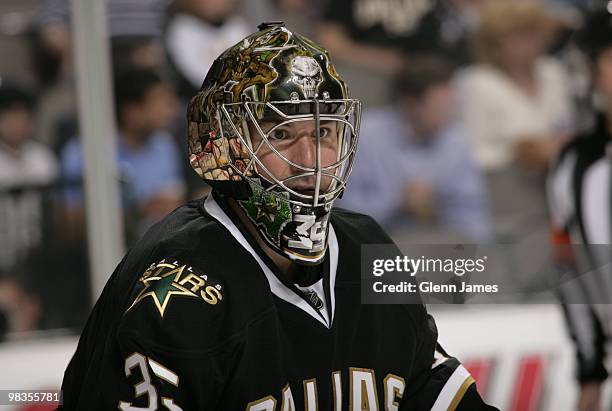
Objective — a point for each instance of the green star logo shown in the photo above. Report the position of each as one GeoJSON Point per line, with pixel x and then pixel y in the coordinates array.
{"type": "Point", "coordinates": [267, 210]}
{"type": "Point", "coordinates": [162, 285]}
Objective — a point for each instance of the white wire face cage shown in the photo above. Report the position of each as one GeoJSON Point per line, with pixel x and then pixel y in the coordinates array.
{"type": "Point", "coordinates": [234, 121]}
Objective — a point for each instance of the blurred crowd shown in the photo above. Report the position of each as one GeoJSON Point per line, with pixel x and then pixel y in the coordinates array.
{"type": "Point", "coordinates": [466, 102]}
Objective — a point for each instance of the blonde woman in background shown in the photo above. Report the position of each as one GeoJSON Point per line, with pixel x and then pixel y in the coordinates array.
{"type": "Point", "coordinates": [517, 108]}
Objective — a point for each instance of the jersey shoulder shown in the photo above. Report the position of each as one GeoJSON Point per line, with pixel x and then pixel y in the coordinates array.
{"type": "Point", "coordinates": [183, 284]}
{"type": "Point", "coordinates": [180, 230]}
{"type": "Point", "coordinates": [358, 228]}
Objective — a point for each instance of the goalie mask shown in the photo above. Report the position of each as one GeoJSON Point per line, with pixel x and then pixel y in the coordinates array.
{"type": "Point", "coordinates": [273, 128]}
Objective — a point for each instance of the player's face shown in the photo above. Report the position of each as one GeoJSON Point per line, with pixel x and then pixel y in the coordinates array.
{"type": "Point", "coordinates": [297, 142]}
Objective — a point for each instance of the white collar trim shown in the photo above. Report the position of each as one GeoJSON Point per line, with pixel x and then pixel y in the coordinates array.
{"type": "Point", "coordinates": [276, 286]}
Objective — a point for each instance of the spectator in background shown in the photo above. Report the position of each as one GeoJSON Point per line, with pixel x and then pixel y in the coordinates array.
{"type": "Point", "coordinates": [375, 34]}
{"type": "Point", "coordinates": [447, 28]}
{"type": "Point", "coordinates": [134, 29]}
{"type": "Point", "coordinates": [369, 39]}
{"type": "Point", "coordinates": [197, 32]}
{"type": "Point", "coordinates": [25, 168]}
{"type": "Point", "coordinates": [377, 38]}
{"type": "Point", "coordinates": [134, 26]}
{"type": "Point", "coordinates": [517, 108]}
{"type": "Point", "coordinates": [414, 168]}
{"type": "Point", "coordinates": [300, 14]}
{"type": "Point", "coordinates": [516, 102]}
{"type": "Point", "coordinates": [22, 161]}
{"type": "Point", "coordinates": [148, 158]}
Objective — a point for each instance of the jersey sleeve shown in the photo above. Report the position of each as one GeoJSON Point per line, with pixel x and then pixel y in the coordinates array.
{"type": "Point", "coordinates": [440, 382]}
{"type": "Point", "coordinates": [173, 343]}
{"type": "Point", "coordinates": [165, 345]}
{"type": "Point", "coordinates": [164, 378]}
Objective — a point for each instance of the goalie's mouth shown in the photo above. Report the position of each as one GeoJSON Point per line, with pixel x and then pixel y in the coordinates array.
{"type": "Point", "coordinates": [305, 190]}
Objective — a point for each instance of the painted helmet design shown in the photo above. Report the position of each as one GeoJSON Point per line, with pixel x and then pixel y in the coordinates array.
{"type": "Point", "coordinates": [275, 78]}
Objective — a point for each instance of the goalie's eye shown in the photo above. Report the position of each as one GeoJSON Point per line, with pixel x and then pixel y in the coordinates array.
{"type": "Point", "coordinates": [279, 134]}
{"type": "Point", "coordinates": [324, 132]}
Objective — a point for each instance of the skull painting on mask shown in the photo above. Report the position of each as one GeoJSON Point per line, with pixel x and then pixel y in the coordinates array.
{"type": "Point", "coordinates": [307, 74]}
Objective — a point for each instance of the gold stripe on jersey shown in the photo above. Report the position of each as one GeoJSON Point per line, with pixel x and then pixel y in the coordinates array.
{"type": "Point", "coordinates": [460, 393]}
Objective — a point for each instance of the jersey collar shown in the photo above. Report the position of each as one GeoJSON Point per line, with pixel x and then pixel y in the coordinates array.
{"type": "Point", "coordinates": [276, 286]}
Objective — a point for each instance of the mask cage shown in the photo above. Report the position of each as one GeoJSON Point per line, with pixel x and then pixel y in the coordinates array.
{"type": "Point", "coordinates": [233, 121]}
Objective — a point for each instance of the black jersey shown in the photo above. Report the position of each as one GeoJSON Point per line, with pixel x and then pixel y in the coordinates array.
{"type": "Point", "coordinates": [195, 318]}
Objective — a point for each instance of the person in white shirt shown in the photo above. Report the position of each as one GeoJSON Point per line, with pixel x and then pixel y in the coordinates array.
{"type": "Point", "coordinates": [26, 169]}
{"type": "Point", "coordinates": [517, 108]}
{"type": "Point", "coordinates": [22, 160]}
{"type": "Point", "coordinates": [516, 102]}
{"type": "Point", "coordinates": [196, 33]}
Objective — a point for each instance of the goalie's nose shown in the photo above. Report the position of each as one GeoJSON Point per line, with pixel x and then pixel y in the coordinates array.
{"type": "Point", "coordinates": [305, 152]}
